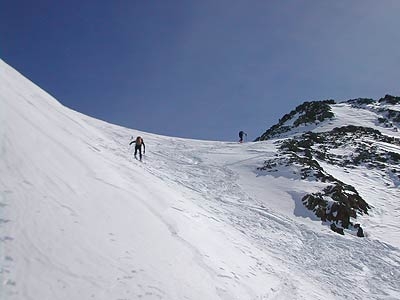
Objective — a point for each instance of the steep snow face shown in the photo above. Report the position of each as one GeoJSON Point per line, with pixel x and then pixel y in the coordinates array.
{"type": "Point", "coordinates": [80, 218]}
{"type": "Point", "coordinates": [345, 114]}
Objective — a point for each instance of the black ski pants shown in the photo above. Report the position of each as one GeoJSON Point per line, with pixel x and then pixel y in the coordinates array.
{"type": "Point", "coordinates": [138, 148]}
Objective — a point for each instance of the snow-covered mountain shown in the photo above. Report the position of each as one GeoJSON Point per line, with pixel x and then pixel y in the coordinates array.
{"type": "Point", "coordinates": [81, 219]}
{"type": "Point", "coordinates": [321, 140]}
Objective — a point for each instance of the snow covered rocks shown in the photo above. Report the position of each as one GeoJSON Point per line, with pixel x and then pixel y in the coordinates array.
{"type": "Point", "coordinates": [354, 146]}
{"type": "Point", "coordinates": [338, 204]}
{"type": "Point", "coordinates": [198, 220]}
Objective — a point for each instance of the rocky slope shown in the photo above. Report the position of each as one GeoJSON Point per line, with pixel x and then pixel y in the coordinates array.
{"type": "Point", "coordinates": [306, 142]}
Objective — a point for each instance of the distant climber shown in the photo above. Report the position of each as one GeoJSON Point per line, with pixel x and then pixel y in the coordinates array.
{"type": "Point", "coordinates": [138, 146]}
{"type": "Point", "coordinates": [241, 134]}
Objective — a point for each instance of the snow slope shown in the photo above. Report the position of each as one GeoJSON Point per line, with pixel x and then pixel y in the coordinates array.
{"type": "Point", "coordinates": [345, 114]}
{"type": "Point", "coordinates": [81, 219]}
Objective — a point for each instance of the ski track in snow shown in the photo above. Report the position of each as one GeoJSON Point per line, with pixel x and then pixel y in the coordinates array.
{"type": "Point", "coordinates": [356, 267]}
{"type": "Point", "coordinates": [80, 218]}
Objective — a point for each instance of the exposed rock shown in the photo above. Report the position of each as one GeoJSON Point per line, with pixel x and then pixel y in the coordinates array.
{"type": "Point", "coordinates": [338, 204]}
{"type": "Point", "coordinates": [389, 99]}
{"type": "Point", "coordinates": [306, 113]}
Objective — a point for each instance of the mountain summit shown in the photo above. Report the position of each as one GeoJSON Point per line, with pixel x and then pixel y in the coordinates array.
{"type": "Point", "coordinates": [367, 143]}
{"type": "Point", "coordinates": [80, 218]}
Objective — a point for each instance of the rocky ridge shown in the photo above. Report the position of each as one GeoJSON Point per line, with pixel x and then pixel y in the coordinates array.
{"type": "Point", "coordinates": [349, 147]}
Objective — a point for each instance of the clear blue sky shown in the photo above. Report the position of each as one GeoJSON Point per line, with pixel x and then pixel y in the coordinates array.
{"type": "Point", "coordinates": [202, 69]}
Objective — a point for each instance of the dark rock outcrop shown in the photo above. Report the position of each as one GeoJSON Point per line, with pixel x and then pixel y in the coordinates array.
{"type": "Point", "coordinates": [306, 113]}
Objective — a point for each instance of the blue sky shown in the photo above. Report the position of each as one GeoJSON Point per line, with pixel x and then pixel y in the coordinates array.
{"type": "Point", "coordinates": [203, 69]}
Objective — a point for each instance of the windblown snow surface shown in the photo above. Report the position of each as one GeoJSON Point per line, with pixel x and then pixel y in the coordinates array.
{"type": "Point", "coordinates": [80, 218]}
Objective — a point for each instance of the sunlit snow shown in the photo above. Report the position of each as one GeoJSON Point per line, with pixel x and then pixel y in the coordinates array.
{"type": "Point", "coordinates": [80, 218]}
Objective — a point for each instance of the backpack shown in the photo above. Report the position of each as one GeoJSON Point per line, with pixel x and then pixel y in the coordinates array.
{"type": "Point", "coordinates": [139, 141]}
